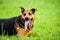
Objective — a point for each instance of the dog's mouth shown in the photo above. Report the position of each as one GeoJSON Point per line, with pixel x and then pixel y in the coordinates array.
{"type": "Point", "coordinates": [27, 24]}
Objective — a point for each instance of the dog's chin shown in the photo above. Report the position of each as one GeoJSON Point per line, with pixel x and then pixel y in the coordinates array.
{"type": "Point", "coordinates": [27, 24]}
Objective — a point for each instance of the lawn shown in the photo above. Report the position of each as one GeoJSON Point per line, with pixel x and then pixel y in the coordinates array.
{"type": "Point", "coordinates": [47, 17]}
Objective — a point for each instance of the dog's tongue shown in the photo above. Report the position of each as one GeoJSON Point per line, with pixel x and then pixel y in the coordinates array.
{"type": "Point", "coordinates": [27, 24]}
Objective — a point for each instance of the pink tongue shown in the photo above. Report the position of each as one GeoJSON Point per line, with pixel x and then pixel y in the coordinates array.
{"type": "Point", "coordinates": [26, 24]}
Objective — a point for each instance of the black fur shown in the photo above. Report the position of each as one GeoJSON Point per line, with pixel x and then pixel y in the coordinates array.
{"type": "Point", "coordinates": [7, 25]}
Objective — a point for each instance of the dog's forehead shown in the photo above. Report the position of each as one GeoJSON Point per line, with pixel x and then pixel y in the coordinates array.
{"type": "Point", "coordinates": [27, 11]}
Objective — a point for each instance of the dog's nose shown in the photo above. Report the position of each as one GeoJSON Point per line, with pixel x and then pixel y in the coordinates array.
{"type": "Point", "coordinates": [26, 18]}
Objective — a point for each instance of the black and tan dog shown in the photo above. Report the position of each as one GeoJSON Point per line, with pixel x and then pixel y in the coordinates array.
{"type": "Point", "coordinates": [27, 18]}
{"type": "Point", "coordinates": [21, 25]}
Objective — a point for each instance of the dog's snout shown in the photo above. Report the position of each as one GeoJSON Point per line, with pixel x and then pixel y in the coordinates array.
{"type": "Point", "coordinates": [26, 18]}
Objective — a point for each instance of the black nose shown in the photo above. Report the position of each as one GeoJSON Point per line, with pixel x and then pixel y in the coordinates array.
{"type": "Point", "coordinates": [26, 19]}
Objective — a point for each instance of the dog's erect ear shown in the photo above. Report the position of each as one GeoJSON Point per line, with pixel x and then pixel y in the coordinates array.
{"type": "Point", "coordinates": [33, 10]}
{"type": "Point", "coordinates": [22, 9]}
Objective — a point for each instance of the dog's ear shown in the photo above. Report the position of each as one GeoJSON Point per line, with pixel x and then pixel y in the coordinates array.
{"type": "Point", "coordinates": [22, 9]}
{"type": "Point", "coordinates": [33, 10]}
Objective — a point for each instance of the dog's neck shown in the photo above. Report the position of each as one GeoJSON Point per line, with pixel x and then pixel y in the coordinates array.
{"type": "Point", "coordinates": [20, 21]}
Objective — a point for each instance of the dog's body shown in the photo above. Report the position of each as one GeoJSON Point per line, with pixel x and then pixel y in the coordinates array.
{"type": "Point", "coordinates": [9, 26]}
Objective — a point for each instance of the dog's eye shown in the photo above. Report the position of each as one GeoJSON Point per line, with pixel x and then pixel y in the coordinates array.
{"type": "Point", "coordinates": [29, 13]}
{"type": "Point", "coordinates": [24, 14]}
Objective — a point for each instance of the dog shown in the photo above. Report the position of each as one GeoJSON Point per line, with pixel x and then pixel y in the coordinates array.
{"type": "Point", "coordinates": [27, 18]}
{"type": "Point", "coordinates": [20, 25]}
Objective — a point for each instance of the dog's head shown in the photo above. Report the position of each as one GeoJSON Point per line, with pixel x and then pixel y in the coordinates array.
{"type": "Point", "coordinates": [28, 16]}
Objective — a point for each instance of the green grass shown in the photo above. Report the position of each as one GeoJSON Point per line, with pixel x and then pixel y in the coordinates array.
{"type": "Point", "coordinates": [47, 17]}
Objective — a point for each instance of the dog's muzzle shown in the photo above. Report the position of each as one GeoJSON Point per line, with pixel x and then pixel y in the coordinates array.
{"type": "Point", "coordinates": [26, 19]}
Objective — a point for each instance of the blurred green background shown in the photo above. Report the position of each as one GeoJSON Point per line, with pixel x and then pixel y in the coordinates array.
{"type": "Point", "coordinates": [47, 17]}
